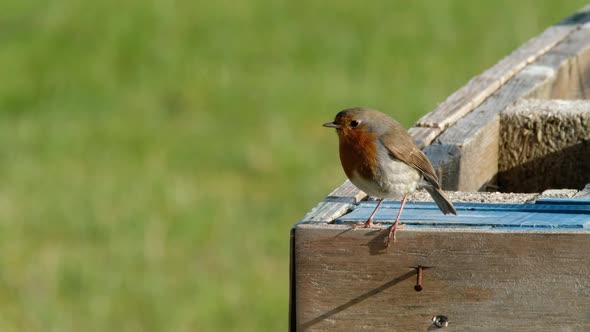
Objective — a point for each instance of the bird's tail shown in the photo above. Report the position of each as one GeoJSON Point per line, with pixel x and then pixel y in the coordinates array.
{"type": "Point", "coordinates": [441, 200]}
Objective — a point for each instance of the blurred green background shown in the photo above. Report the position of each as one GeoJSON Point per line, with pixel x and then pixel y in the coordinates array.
{"type": "Point", "coordinates": [156, 153]}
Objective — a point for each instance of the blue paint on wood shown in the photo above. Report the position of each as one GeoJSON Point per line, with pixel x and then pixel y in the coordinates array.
{"type": "Point", "coordinates": [545, 214]}
{"type": "Point", "coordinates": [564, 201]}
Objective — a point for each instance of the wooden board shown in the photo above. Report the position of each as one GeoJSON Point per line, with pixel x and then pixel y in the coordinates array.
{"type": "Point", "coordinates": [482, 280]}
{"type": "Point", "coordinates": [491, 267]}
{"type": "Point", "coordinates": [445, 159]}
{"type": "Point", "coordinates": [476, 135]}
{"type": "Point", "coordinates": [336, 203]}
{"type": "Point", "coordinates": [423, 136]}
{"type": "Point", "coordinates": [571, 58]}
{"type": "Point", "coordinates": [481, 87]}
{"type": "Point", "coordinates": [559, 71]}
{"type": "Point", "coordinates": [546, 213]}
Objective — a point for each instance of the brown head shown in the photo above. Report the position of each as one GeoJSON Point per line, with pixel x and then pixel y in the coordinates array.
{"type": "Point", "coordinates": [358, 120]}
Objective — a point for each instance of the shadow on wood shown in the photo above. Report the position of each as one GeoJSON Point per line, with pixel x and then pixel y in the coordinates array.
{"type": "Point", "coordinates": [357, 300]}
{"type": "Point", "coordinates": [567, 168]}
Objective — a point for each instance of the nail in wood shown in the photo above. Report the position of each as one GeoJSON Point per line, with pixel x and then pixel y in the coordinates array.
{"type": "Point", "coordinates": [418, 286]}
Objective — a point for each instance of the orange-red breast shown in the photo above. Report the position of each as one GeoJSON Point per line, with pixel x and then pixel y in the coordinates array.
{"type": "Point", "coordinates": [381, 158]}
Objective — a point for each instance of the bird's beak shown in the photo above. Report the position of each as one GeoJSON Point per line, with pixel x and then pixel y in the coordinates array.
{"type": "Point", "coordinates": [331, 125]}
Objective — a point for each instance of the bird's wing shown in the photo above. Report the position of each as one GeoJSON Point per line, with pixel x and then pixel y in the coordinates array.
{"type": "Point", "coordinates": [402, 147]}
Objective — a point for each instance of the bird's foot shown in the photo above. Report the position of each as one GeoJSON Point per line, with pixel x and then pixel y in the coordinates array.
{"type": "Point", "coordinates": [392, 231]}
{"type": "Point", "coordinates": [368, 224]}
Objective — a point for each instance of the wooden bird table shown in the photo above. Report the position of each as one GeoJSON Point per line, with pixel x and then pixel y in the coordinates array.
{"type": "Point", "coordinates": [493, 267]}
{"type": "Point", "coordinates": [506, 262]}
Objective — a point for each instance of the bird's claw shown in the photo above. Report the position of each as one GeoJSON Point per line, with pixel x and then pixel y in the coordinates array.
{"type": "Point", "coordinates": [391, 236]}
{"type": "Point", "coordinates": [367, 224]}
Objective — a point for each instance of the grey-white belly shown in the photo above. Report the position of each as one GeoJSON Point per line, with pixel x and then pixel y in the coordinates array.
{"type": "Point", "coordinates": [393, 178]}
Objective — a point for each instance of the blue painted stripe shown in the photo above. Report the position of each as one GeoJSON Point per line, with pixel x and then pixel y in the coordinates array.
{"type": "Point", "coordinates": [544, 207]}
{"type": "Point", "coordinates": [479, 215]}
{"type": "Point", "coordinates": [564, 201]}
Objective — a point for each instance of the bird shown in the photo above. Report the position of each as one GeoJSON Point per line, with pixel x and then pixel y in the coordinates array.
{"type": "Point", "coordinates": [380, 158]}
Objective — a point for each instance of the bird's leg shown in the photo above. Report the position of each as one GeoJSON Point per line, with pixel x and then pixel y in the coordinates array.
{"type": "Point", "coordinates": [369, 222]}
{"type": "Point", "coordinates": [393, 228]}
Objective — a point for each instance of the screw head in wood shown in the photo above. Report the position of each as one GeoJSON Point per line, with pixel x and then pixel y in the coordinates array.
{"type": "Point", "coordinates": [440, 321]}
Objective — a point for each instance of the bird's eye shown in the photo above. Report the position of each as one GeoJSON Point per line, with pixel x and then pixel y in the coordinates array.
{"type": "Point", "coordinates": [354, 123]}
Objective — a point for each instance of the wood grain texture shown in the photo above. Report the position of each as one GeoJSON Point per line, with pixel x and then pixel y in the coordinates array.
{"type": "Point", "coordinates": [424, 136]}
{"type": "Point", "coordinates": [572, 60]}
{"type": "Point", "coordinates": [477, 134]}
{"type": "Point", "coordinates": [445, 159]}
{"type": "Point", "coordinates": [460, 103]}
{"type": "Point", "coordinates": [335, 204]}
{"type": "Point", "coordinates": [545, 213]}
{"type": "Point", "coordinates": [481, 280]}
{"type": "Point", "coordinates": [482, 86]}
{"type": "Point", "coordinates": [562, 72]}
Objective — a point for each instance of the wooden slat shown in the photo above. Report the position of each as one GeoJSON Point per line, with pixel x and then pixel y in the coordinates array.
{"type": "Point", "coordinates": [482, 280]}
{"type": "Point", "coordinates": [460, 103]}
{"type": "Point", "coordinates": [424, 136]}
{"type": "Point", "coordinates": [575, 202]}
{"type": "Point", "coordinates": [571, 60]}
{"type": "Point", "coordinates": [477, 134]}
{"type": "Point", "coordinates": [445, 159]}
{"type": "Point", "coordinates": [551, 213]}
{"type": "Point", "coordinates": [335, 204]}
{"type": "Point", "coordinates": [481, 87]}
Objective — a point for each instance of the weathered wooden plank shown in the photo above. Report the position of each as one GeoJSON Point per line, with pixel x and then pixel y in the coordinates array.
{"type": "Point", "coordinates": [460, 103]}
{"type": "Point", "coordinates": [335, 204]}
{"type": "Point", "coordinates": [521, 86]}
{"type": "Point", "coordinates": [481, 87]}
{"type": "Point", "coordinates": [572, 58]}
{"type": "Point", "coordinates": [553, 72]}
{"type": "Point", "coordinates": [424, 136]}
{"type": "Point", "coordinates": [477, 134]}
{"type": "Point", "coordinates": [573, 201]}
{"type": "Point", "coordinates": [548, 213]}
{"type": "Point", "coordinates": [482, 280]}
{"type": "Point", "coordinates": [445, 159]}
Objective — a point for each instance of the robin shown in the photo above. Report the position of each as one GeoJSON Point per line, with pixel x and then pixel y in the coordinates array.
{"type": "Point", "coordinates": [381, 159]}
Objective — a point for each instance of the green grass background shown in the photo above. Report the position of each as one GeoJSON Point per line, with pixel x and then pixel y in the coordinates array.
{"type": "Point", "coordinates": [156, 153]}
